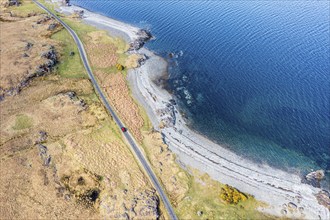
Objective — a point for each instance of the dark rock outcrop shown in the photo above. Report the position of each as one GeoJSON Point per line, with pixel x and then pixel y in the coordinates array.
{"type": "Point", "coordinates": [142, 59]}
{"type": "Point", "coordinates": [52, 26]}
{"type": "Point", "coordinates": [43, 153]}
{"type": "Point", "coordinates": [44, 19]}
{"type": "Point", "coordinates": [13, 3]}
{"type": "Point", "coordinates": [42, 137]}
{"type": "Point", "coordinates": [144, 36]}
{"type": "Point", "coordinates": [48, 66]}
{"type": "Point", "coordinates": [41, 70]}
{"type": "Point", "coordinates": [73, 96]}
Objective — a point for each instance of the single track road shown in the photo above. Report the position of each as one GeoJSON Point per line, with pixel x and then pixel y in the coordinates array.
{"type": "Point", "coordinates": [135, 149]}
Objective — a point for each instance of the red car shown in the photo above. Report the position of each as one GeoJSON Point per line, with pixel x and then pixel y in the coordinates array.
{"type": "Point", "coordinates": [123, 129]}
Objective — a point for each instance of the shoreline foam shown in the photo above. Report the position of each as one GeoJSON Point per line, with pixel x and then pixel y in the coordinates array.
{"type": "Point", "coordinates": [277, 188]}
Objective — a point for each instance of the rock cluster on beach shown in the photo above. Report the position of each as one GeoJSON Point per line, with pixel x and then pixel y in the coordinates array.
{"type": "Point", "coordinates": [167, 115]}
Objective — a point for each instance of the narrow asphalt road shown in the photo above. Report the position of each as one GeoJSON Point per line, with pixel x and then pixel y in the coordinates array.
{"type": "Point", "coordinates": [127, 135]}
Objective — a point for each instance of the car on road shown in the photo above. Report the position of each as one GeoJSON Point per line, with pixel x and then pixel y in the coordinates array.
{"type": "Point", "coordinates": [123, 129]}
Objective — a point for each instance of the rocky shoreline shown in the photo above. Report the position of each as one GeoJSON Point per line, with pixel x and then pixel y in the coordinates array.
{"type": "Point", "coordinates": [284, 192]}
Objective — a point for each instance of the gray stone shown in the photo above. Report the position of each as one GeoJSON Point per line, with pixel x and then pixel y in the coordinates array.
{"type": "Point", "coordinates": [52, 26]}
{"type": "Point", "coordinates": [28, 45]}
{"type": "Point", "coordinates": [14, 2]}
{"type": "Point", "coordinates": [292, 206]}
{"type": "Point", "coordinates": [67, 197]}
{"type": "Point", "coordinates": [284, 212]}
{"type": "Point", "coordinates": [42, 137]}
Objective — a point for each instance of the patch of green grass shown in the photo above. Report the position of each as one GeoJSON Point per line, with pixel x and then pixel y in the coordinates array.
{"type": "Point", "coordinates": [80, 28]}
{"type": "Point", "coordinates": [147, 125]}
{"type": "Point", "coordinates": [70, 66]}
{"type": "Point", "coordinates": [207, 200]}
{"type": "Point", "coordinates": [90, 98]}
{"type": "Point", "coordinates": [83, 29]}
{"type": "Point", "coordinates": [50, 6]}
{"type": "Point", "coordinates": [107, 132]}
{"type": "Point", "coordinates": [22, 122]}
{"type": "Point", "coordinates": [26, 8]}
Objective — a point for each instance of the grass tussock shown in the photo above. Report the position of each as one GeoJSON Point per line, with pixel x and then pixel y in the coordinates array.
{"type": "Point", "coordinates": [22, 122]}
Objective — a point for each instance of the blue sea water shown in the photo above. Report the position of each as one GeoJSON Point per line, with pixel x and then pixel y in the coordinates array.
{"type": "Point", "coordinates": [253, 76]}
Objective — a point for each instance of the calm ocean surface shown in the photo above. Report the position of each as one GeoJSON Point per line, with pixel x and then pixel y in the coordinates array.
{"type": "Point", "coordinates": [253, 76]}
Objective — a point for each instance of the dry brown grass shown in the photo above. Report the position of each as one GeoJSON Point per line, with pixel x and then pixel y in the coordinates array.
{"type": "Point", "coordinates": [14, 67]}
{"type": "Point", "coordinates": [102, 55]}
{"type": "Point", "coordinates": [118, 93]}
{"type": "Point", "coordinates": [85, 146]}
